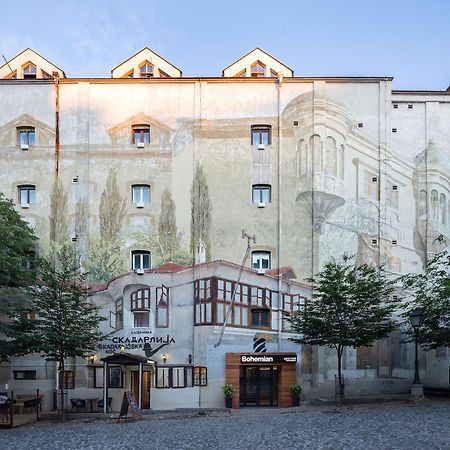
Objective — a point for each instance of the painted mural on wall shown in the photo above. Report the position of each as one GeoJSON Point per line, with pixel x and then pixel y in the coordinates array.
{"type": "Point", "coordinates": [59, 228]}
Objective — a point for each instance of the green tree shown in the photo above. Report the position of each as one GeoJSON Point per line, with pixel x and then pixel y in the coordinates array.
{"type": "Point", "coordinates": [66, 323]}
{"type": "Point", "coordinates": [430, 291]}
{"type": "Point", "coordinates": [351, 306]}
{"type": "Point", "coordinates": [17, 247]}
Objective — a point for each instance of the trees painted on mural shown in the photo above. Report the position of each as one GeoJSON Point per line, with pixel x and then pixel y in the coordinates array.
{"type": "Point", "coordinates": [105, 258]}
{"type": "Point", "coordinates": [59, 228]}
{"type": "Point", "coordinates": [430, 291]}
{"type": "Point", "coordinates": [351, 306]}
{"type": "Point", "coordinates": [201, 208]}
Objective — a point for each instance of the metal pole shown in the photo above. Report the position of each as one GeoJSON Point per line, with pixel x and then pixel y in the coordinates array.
{"type": "Point", "coordinates": [140, 386]}
{"type": "Point", "coordinates": [416, 361]}
{"type": "Point", "coordinates": [105, 387]}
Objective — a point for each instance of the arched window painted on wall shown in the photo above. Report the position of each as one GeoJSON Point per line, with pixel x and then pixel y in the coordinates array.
{"type": "Point", "coordinates": [316, 149]}
{"type": "Point", "coordinates": [330, 157]}
{"type": "Point", "coordinates": [434, 205]}
{"type": "Point", "coordinates": [443, 205]}
{"type": "Point", "coordinates": [302, 158]}
{"type": "Point", "coordinates": [341, 162]}
{"type": "Point", "coordinates": [422, 203]}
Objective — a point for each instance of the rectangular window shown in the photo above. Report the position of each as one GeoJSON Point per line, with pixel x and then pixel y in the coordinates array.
{"type": "Point", "coordinates": [203, 302]}
{"type": "Point", "coordinates": [119, 314]}
{"type": "Point", "coordinates": [173, 376]}
{"type": "Point", "coordinates": [27, 195]}
{"type": "Point", "coordinates": [140, 300]}
{"type": "Point", "coordinates": [24, 374]}
{"type": "Point", "coordinates": [140, 193]}
{"type": "Point", "coordinates": [391, 195]}
{"type": "Point", "coordinates": [140, 260]}
{"type": "Point", "coordinates": [141, 319]}
{"type": "Point", "coordinates": [261, 134]}
{"type": "Point", "coordinates": [371, 186]}
{"type": "Point", "coordinates": [162, 306]}
{"type": "Point", "coordinates": [26, 136]}
{"type": "Point", "coordinates": [115, 379]}
{"type": "Point", "coordinates": [200, 376]}
{"type": "Point", "coordinates": [69, 379]}
{"type": "Point", "coordinates": [261, 260]}
{"type": "Point", "coordinates": [141, 133]}
{"type": "Point", "coordinates": [261, 193]}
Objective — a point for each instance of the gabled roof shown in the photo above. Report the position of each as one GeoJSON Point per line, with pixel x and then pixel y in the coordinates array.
{"type": "Point", "coordinates": [32, 56]}
{"type": "Point", "coordinates": [141, 56]}
{"type": "Point", "coordinates": [257, 54]}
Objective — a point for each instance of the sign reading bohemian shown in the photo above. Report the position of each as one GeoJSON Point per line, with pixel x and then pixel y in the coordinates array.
{"type": "Point", "coordinates": [268, 359]}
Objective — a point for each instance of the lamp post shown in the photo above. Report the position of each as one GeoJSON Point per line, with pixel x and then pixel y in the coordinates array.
{"type": "Point", "coordinates": [416, 319]}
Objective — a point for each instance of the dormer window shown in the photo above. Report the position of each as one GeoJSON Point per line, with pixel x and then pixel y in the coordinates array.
{"type": "Point", "coordinates": [261, 134]}
{"type": "Point", "coordinates": [241, 74]}
{"type": "Point", "coordinates": [141, 133]}
{"type": "Point", "coordinates": [29, 71]}
{"type": "Point", "coordinates": [163, 74]}
{"type": "Point", "coordinates": [273, 74]}
{"type": "Point", "coordinates": [46, 76]}
{"type": "Point", "coordinates": [258, 70]}
{"type": "Point", "coordinates": [146, 70]}
{"type": "Point", "coordinates": [26, 136]}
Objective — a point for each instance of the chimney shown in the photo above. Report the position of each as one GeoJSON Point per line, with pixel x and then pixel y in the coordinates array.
{"type": "Point", "coordinates": [200, 252]}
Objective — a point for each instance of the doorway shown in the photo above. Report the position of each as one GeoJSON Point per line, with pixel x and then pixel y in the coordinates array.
{"type": "Point", "coordinates": [258, 386]}
{"type": "Point", "coordinates": [146, 384]}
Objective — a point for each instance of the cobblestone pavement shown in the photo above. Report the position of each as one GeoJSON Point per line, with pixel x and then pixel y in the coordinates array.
{"type": "Point", "coordinates": [382, 427]}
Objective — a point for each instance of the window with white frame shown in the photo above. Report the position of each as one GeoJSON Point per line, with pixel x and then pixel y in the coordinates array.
{"type": "Point", "coordinates": [27, 136]}
{"type": "Point", "coordinates": [261, 260]}
{"type": "Point", "coordinates": [146, 70]}
{"type": "Point", "coordinates": [140, 259]}
{"type": "Point", "coordinates": [173, 376]}
{"type": "Point", "coordinates": [141, 133]}
{"type": "Point", "coordinates": [140, 193]}
{"type": "Point", "coordinates": [257, 70]}
{"type": "Point", "coordinates": [261, 193]}
{"type": "Point", "coordinates": [261, 134]}
{"type": "Point", "coordinates": [29, 71]}
{"type": "Point", "coordinates": [27, 194]}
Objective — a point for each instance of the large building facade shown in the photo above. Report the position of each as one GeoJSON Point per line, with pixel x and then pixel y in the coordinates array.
{"type": "Point", "coordinates": [149, 167]}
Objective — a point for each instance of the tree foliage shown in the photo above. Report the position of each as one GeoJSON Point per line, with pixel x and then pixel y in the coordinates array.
{"type": "Point", "coordinates": [59, 228]}
{"type": "Point", "coordinates": [17, 247]}
{"type": "Point", "coordinates": [351, 306]}
{"type": "Point", "coordinates": [430, 291]}
{"type": "Point", "coordinates": [169, 238]}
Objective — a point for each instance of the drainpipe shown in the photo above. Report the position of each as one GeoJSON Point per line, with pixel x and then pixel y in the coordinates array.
{"type": "Point", "coordinates": [56, 83]}
{"type": "Point", "coordinates": [280, 281]}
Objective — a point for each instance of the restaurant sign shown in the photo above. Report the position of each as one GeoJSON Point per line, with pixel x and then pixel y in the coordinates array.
{"type": "Point", "coordinates": [268, 359]}
{"type": "Point", "coordinates": [133, 341]}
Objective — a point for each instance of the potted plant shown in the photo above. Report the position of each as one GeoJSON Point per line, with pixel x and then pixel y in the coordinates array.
{"type": "Point", "coordinates": [228, 391]}
{"type": "Point", "coordinates": [295, 391]}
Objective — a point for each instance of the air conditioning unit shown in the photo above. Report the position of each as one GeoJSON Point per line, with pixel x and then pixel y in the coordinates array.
{"type": "Point", "coordinates": [261, 146]}
{"type": "Point", "coordinates": [140, 271]}
{"type": "Point", "coordinates": [75, 179]}
{"type": "Point", "coordinates": [261, 271]}
{"type": "Point", "coordinates": [374, 241]}
{"type": "Point", "coordinates": [394, 187]}
{"type": "Point", "coordinates": [74, 238]}
{"type": "Point", "coordinates": [139, 205]}
{"type": "Point", "coordinates": [394, 241]}
{"type": "Point", "coordinates": [25, 205]}
{"type": "Point", "coordinates": [24, 146]}
{"type": "Point", "coordinates": [261, 205]}
{"type": "Point", "coordinates": [140, 144]}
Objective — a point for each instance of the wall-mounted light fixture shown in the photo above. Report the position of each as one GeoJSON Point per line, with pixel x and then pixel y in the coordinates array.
{"type": "Point", "coordinates": [122, 349]}
{"type": "Point", "coordinates": [164, 357]}
{"type": "Point", "coordinates": [190, 359]}
{"type": "Point", "coordinates": [91, 359]}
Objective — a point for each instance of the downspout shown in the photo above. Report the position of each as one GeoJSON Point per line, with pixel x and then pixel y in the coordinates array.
{"type": "Point", "coordinates": [56, 83]}
{"type": "Point", "coordinates": [280, 281]}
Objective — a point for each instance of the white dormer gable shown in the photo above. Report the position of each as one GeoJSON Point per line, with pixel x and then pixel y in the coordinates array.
{"type": "Point", "coordinates": [29, 65]}
{"type": "Point", "coordinates": [258, 64]}
{"type": "Point", "coordinates": [146, 64]}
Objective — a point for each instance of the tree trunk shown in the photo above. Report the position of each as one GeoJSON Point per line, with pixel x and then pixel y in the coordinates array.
{"type": "Point", "coordinates": [340, 378]}
{"type": "Point", "coordinates": [61, 389]}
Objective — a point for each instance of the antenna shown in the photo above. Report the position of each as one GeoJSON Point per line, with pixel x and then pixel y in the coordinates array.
{"type": "Point", "coordinates": [6, 61]}
{"type": "Point", "coordinates": [250, 238]}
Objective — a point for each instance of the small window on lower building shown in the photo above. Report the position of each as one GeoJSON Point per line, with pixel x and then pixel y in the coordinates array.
{"type": "Point", "coordinates": [140, 259]}
{"type": "Point", "coordinates": [261, 193]}
{"type": "Point", "coordinates": [141, 319]}
{"type": "Point", "coordinates": [27, 195]}
{"type": "Point", "coordinates": [260, 317]}
{"type": "Point", "coordinates": [115, 377]}
{"type": "Point", "coordinates": [69, 379]}
{"type": "Point", "coordinates": [261, 260]}
{"type": "Point", "coordinates": [200, 376]}
{"type": "Point", "coordinates": [140, 193]}
{"type": "Point", "coordinates": [24, 374]}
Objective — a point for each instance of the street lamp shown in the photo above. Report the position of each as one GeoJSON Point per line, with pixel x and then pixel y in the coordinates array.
{"type": "Point", "coordinates": [416, 319]}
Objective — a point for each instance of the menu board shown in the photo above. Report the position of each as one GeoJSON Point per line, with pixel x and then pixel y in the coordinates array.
{"type": "Point", "coordinates": [129, 403]}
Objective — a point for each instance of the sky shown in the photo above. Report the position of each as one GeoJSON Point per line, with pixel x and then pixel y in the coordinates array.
{"type": "Point", "coordinates": [409, 40]}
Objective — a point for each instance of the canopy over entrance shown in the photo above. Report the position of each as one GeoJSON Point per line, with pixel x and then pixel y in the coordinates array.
{"type": "Point", "coordinates": [123, 359]}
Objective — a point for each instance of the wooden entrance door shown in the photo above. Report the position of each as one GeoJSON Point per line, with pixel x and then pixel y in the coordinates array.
{"type": "Point", "coordinates": [146, 377]}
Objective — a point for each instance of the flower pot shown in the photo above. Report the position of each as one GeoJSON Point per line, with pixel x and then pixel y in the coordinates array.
{"type": "Point", "coordinates": [295, 400]}
{"type": "Point", "coordinates": [228, 402]}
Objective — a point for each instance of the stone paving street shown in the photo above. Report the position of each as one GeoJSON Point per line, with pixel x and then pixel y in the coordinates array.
{"type": "Point", "coordinates": [399, 426]}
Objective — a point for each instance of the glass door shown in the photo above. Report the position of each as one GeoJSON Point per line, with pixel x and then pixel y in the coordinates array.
{"type": "Point", "coordinates": [258, 386]}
